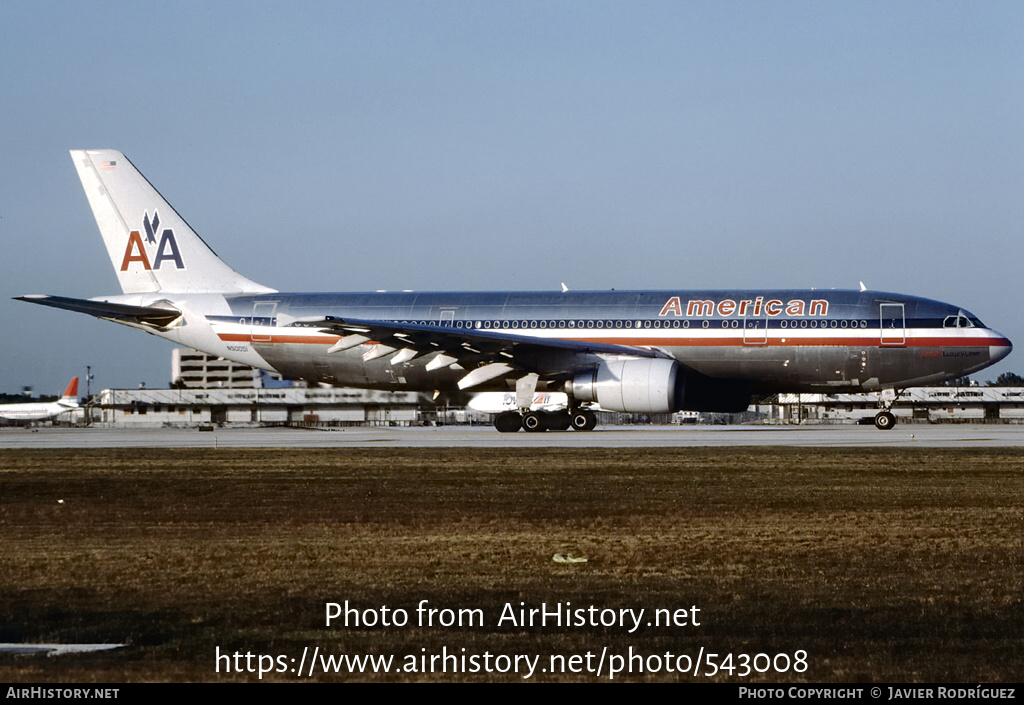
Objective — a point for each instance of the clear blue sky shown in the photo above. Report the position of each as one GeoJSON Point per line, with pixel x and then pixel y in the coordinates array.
{"type": "Point", "coordinates": [514, 145]}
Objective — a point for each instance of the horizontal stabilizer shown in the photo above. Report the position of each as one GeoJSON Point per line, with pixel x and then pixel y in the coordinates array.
{"type": "Point", "coordinates": [122, 313]}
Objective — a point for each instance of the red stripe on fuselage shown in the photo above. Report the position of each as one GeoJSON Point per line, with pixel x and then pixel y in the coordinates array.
{"type": "Point", "coordinates": [795, 341]}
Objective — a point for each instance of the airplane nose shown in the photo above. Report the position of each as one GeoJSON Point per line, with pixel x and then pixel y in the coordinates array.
{"type": "Point", "coordinates": [998, 352]}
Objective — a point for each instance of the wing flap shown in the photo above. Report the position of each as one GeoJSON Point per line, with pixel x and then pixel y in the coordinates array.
{"type": "Point", "coordinates": [485, 354]}
{"type": "Point", "coordinates": [427, 337]}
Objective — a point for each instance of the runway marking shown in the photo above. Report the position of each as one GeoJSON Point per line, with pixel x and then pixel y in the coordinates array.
{"type": "Point", "coordinates": [836, 436]}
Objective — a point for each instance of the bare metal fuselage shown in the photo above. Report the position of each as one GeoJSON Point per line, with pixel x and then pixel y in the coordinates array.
{"type": "Point", "coordinates": [793, 340]}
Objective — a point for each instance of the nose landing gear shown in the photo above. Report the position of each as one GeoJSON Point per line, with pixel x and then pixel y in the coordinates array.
{"type": "Point", "coordinates": [885, 420]}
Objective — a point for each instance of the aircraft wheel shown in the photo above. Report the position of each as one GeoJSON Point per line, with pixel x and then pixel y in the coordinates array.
{"type": "Point", "coordinates": [558, 421]}
{"type": "Point", "coordinates": [884, 420]}
{"type": "Point", "coordinates": [533, 422]}
{"type": "Point", "coordinates": [508, 422]}
{"type": "Point", "coordinates": [583, 420]}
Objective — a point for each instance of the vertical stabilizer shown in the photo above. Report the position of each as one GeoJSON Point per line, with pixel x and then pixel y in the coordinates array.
{"type": "Point", "coordinates": [151, 247]}
{"type": "Point", "coordinates": [72, 391]}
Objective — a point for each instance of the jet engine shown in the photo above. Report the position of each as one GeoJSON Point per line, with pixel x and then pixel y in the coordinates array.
{"type": "Point", "coordinates": [656, 386]}
{"type": "Point", "coordinates": [636, 385]}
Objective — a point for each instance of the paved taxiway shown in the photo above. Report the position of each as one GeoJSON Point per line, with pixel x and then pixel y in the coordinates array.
{"type": "Point", "coordinates": [905, 436]}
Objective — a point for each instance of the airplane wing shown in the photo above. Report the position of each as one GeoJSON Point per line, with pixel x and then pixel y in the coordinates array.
{"type": "Point", "coordinates": [122, 313]}
{"type": "Point", "coordinates": [485, 354]}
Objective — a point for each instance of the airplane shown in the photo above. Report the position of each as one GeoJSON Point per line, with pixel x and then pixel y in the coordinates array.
{"type": "Point", "coordinates": [31, 411]}
{"type": "Point", "coordinates": [497, 402]}
{"type": "Point", "coordinates": [628, 351]}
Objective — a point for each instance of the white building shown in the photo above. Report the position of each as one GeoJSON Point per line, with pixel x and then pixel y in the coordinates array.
{"type": "Point", "coordinates": [247, 407]}
{"type": "Point", "coordinates": [924, 404]}
{"type": "Point", "coordinates": [196, 370]}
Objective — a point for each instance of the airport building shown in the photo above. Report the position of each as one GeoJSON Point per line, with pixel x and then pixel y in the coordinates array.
{"type": "Point", "coordinates": [254, 406]}
{"type": "Point", "coordinates": [356, 407]}
{"type": "Point", "coordinates": [915, 404]}
{"type": "Point", "coordinates": [192, 369]}
{"type": "Point", "coordinates": [208, 390]}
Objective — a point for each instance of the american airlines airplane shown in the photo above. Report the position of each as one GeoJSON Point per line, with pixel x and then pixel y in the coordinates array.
{"type": "Point", "coordinates": [629, 351]}
{"type": "Point", "coordinates": [31, 411]}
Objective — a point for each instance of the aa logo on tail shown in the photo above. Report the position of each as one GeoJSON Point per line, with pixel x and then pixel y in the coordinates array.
{"type": "Point", "coordinates": [166, 250]}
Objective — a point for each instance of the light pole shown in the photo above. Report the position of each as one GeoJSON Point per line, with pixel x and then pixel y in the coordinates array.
{"type": "Point", "coordinates": [88, 395]}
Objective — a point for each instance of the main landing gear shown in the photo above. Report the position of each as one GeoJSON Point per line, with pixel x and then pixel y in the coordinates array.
{"type": "Point", "coordinates": [537, 421]}
{"type": "Point", "coordinates": [508, 422]}
{"type": "Point", "coordinates": [583, 420]}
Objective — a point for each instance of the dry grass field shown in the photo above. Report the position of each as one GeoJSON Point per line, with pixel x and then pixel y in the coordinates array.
{"type": "Point", "coordinates": [881, 565]}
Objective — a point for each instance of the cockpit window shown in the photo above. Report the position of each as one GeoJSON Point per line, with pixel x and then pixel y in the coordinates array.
{"type": "Point", "coordinates": [961, 320]}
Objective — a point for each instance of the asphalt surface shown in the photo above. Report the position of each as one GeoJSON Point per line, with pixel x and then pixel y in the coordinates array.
{"type": "Point", "coordinates": [903, 436]}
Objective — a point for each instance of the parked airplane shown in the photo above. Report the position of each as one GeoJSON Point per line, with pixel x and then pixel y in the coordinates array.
{"type": "Point", "coordinates": [630, 351]}
{"type": "Point", "coordinates": [500, 402]}
{"type": "Point", "coordinates": [38, 411]}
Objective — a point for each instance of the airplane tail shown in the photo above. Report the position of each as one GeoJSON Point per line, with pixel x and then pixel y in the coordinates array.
{"type": "Point", "coordinates": [151, 247]}
{"type": "Point", "coordinates": [71, 393]}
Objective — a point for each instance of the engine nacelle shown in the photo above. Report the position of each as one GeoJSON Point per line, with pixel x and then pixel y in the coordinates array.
{"type": "Point", "coordinates": [644, 385]}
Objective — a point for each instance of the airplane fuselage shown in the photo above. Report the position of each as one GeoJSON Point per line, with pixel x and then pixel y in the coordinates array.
{"type": "Point", "coordinates": [775, 340]}
{"type": "Point", "coordinates": [39, 411]}
{"type": "Point", "coordinates": [33, 412]}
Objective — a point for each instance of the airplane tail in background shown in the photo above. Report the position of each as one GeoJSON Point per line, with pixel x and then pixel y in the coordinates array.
{"type": "Point", "coordinates": [151, 247]}
{"type": "Point", "coordinates": [71, 393]}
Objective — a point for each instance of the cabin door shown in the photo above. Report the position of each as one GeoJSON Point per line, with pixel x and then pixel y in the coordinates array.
{"type": "Point", "coordinates": [263, 321]}
{"type": "Point", "coordinates": [893, 324]}
{"type": "Point", "coordinates": [755, 329]}
{"type": "Point", "coordinates": [446, 317]}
